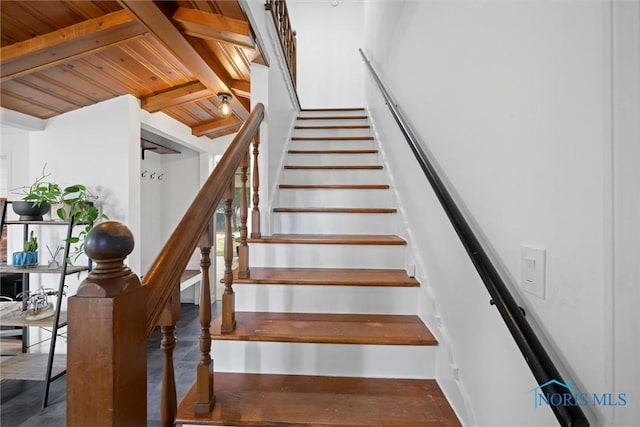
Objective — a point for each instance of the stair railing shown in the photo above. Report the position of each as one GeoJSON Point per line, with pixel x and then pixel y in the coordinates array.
{"type": "Point", "coordinates": [113, 313]}
{"type": "Point", "coordinates": [540, 364]}
{"type": "Point", "coordinates": [286, 34]}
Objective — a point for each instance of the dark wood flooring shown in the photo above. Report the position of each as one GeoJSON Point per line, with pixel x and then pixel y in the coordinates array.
{"type": "Point", "coordinates": [21, 401]}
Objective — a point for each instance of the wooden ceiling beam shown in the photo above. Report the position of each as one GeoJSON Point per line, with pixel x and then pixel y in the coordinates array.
{"type": "Point", "coordinates": [162, 26]}
{"type": "Point", "coordinates": [211, 26]}
{"type": "Point", "coordinates": [184, 94]}
{"type": "Point", "coordinates": [68, 43]}
{"type": "Point", "coordinates": [241, 88]}
{"type": "Point", "coordinates": [215, 126]}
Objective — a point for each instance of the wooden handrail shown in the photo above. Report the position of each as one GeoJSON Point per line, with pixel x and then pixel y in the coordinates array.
{"type": "Point", "coordinates": [164, 274]}
{"type": "Point", "coordinates": [542, 367]}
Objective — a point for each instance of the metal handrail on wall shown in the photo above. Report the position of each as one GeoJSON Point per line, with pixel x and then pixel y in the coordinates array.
{"type": "Point", "coordinates": [540, 364]}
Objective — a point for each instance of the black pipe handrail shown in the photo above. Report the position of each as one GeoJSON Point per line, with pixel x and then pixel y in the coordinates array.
{"type": "Point", "coordinates": [534, 353]}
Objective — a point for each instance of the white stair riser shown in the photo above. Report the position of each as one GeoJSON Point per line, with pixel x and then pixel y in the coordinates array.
{"type": "Point", "coordinates": [332, 176]}
{"type": "Point", "coordinates": [334, 122]}
{"type": "Point", "coordinates": [326, 256]}
{"type": "Point", "coordinates": [314, 159]}
{"type": "Point", "coordinates": [335, 198]}
{"type": "Point", "coordinates": [373, 361]}
{"type": "Point", "coordinates": [333, 145]}
{"type": "Point", "coordinates": [323, 133]}
{"type": "Point", "coordinates": [334, 223]}
{"type": "Point", "coordinates": [332, 113]}
{"type": "Point", "coordinates": [326, 299]}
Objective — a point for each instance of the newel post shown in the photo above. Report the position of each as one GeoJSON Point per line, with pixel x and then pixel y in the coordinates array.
{"type": "Point", "coordinates": [107, 355]}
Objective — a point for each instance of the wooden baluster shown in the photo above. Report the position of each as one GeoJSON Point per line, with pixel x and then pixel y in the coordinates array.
{"type": "Point", "coordinates": [204, 374]}
{"type": "Point", "coordinates": [168, 398]}
{"type": "Point", "coordinates": [294, 64]}
{"type": "Point", "coordinates": [243, 255]}
{"type": "Point", "coordinates": [107, 345]}
{"type": "Point", "coordinates": [255, 213]}
{"type": "Point", "coordinates": [228, 304]}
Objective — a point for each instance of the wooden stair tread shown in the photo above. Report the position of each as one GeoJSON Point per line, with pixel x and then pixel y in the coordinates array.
{"type": "Point", "coordinates": [332, 138]}
{"type": "Point", "coordinates": [300, 400]}
{"type": "Point", "coordinates": [334, 109]}
{"type": "Point", "coordinates": [338, 210]}
{"type": "Point", "coordinates": [333, 167]}
{"type": "Point", "coordinates": [356, 117]}
{"type": "Point", "coordinates": [334, 127]}
{"type": "Point", "coordinates": [332, 151]}
{"type": "Point", "coordinates": [335, 186]}
{"type": "Point", "coordinates": [331, 239]}
{"type": "Point", "coordinates": [368, 329]}
{"type": "Point", "coordinates": [328, 276]}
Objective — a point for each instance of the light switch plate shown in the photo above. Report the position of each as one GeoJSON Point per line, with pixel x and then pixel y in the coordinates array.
{"type": "Point", "coordinates": [533, 267]}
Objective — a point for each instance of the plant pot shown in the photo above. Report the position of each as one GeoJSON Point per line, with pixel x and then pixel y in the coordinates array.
{"type": "Point", "coordinates": [28, 211]}
{"type": "Point", "coordinates": [25, 259]}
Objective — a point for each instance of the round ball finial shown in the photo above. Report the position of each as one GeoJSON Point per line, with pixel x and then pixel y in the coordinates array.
{"type": "Point", "coordinates": [109, 240]}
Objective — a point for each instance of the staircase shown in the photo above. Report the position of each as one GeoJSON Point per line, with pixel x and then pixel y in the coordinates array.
{"type": "Point", "coordinates": [327, 329]}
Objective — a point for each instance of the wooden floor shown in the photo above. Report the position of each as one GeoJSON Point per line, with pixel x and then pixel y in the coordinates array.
{"type": "Point", "coordinates": [381, 329]}
{"type": "Point", "coordinates": [327, 276]}
{"type": "Point", "coordinates": [290, 400]}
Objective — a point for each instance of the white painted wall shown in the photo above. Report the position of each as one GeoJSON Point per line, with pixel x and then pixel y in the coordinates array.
{"type": "Point", "coordinates": [151, 192]}
{"type": "Point", "coordinates": [269, 87]}
{"type": "Point", "coordinates": [328, 37]}
{"type": "Point", "coordinates": [95, 146]}
{"type": "Point", "coordinates": [14, 147]}
{"type": "Point", "coordinates": [513, 100]}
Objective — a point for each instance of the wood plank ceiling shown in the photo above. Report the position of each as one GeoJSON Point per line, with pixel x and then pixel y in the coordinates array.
{"type": "Point", "coordinates": [175, 56]}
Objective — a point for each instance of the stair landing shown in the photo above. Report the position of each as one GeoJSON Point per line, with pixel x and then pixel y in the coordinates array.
{"type": "Point", "coordinates": [296, 400]}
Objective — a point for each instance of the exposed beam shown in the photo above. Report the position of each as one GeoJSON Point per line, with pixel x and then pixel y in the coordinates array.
{"type": "Point", "coordinates": [214, 126]}
{"type": "Point", "coordinates": [184, 94]}
{"type": "Point", "coordinates": [212, 26]}
{"type": "Point", "coordinates": [164, 29]}
{"type": "Point", "coordinates": [241, 88]}
{"type": "Point", "coordinates": [68, 43]}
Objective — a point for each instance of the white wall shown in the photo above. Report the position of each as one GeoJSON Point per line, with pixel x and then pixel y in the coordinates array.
{"type": "Point", "coordinates": [151, 190]}
{"type": "Point", "coordinates": [14, 147]}
{"type": "Point", "coordinates": [93, 146]}
{"type": "Point", "coordinates": [513, 100]}
{"type": "Point", "coordinates": [329, 67]}
{"type": "Point", "coordinates": [269, 87]}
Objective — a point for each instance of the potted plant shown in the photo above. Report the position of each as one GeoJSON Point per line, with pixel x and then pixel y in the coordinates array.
{"type": "Point", "coordinates": [29, 256]}
{"type": "Point", "coordinates": [80, 205]}
{"type": "Point", "coordinates": [37, 198]}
